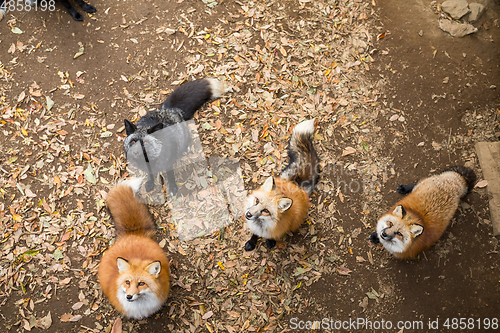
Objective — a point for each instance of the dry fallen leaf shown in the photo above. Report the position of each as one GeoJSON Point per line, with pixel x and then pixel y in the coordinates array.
{"type": "Point", "coordinates": [45, 322]}
{"type": "Point", "coordinates": [342, 270]}
{"type": "Point", "coordinates": [117, 326]}
{"type": "Point", "coordinates": [348, 151]}
{"type": "Point", "coordinates": [66, 317]}
{"type": "Point", "coordinates": [482, 183]}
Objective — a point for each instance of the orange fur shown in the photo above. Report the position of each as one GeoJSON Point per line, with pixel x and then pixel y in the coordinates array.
{"type": "Point", "coordinates": [291, 219]}
{"type": "Point", "coordinates": [136, 248]}
{"type": "Point", "coordinates": [280, 204]}
{"type": "Point", "coordinates": [430, 205]}
{"type": "Point", "coordinates": [130, 215]}
{"type": "Point", "coordinates": [434, 211]}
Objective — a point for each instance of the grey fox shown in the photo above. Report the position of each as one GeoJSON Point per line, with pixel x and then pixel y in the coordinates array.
{"type": "Point", "coordinates": [153, 150]}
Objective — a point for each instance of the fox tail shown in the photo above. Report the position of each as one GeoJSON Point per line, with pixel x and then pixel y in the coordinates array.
{"type": "Point", "coordinates": [189, 97]}
{"type": "Point", "coordinates": [130, 215]}
{"type": "Point", "coordinates": [467, 174]}
{"type": "Point", "coordinates": [303, 167]}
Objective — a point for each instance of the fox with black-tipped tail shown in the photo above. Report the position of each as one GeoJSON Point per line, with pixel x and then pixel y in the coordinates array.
{"type": "Point", "coordinates": [134, 272]}
{"type": "Point", "coordinates": [161, 136]}
{"type": "Point", "coordinates": [280, 204]}
{"type": "Point", "coordinates": [418, 220]}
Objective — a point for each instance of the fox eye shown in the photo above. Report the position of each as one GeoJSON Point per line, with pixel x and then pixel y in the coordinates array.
{"type": "Point", "coordinates": [141, 284]}
{"type": "Point", "coordinates": [127, 283]}
{"type": "Point", "coordinates": [265, 211]}
{"type": "Point", "coordinates": [256, 201]}
{"type": "Point", "coordinates": [399, 234]}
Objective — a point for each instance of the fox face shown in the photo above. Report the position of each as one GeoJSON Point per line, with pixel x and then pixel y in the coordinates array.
{"type": "Point", "coordinates": [396, 231]}
{"type": "Point", "coordinates": [136, 136]}
{"type": "Point", "coordinates": [138, 287]}
{"type": "Point", "coordinates": [264, 208]}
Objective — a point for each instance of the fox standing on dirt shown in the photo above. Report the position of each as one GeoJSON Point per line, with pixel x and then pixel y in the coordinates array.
{"type": "Point", "coordinates": [418, 220]}
{"type": "Point", "coordinates": [134, 273]}
{"type": "Point", "coordinates": [280, 205]}
{"type": "Point", "coordinates": [153, 144]}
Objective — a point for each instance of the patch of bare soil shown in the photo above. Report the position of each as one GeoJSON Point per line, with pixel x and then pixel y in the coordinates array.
{"type": "Point", "coordinates": [393, 106]}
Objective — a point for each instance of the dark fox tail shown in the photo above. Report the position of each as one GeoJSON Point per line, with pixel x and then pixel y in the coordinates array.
{"type": "Point", "coordinates": [130, 215]}
{"type": "Point", "coordinates": [467, 173]}
{"type": "Point", "coordinates": [304, 164]}
{"type": "Point", "coordinates": [190, 96]}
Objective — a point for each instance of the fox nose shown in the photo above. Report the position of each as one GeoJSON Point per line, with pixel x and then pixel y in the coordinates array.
{"type": "Point", "coordinates": [385, 236]}
{"type": "Point", "coordinates": [248, 215]}
{"type": "Point", "coordinates": [129, 297]}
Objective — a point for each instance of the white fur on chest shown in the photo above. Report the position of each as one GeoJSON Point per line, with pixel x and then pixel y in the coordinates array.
{"type": "Point", "coordinates": [143, 306]}
{"type": "Point", "coordinates": [261, 227]}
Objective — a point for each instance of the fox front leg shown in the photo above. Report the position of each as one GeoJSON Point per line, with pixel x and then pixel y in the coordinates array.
{"type": "Point", "coordinates": [150, 184]}
{"type": "Point", "coordinates": [250, 245]}
{"type": "Point", "coordinates": [172, 186]}
{"type": "Point", "coordinates": [405, 189]}
{"type": "Point", "coordinates": [270, 243]}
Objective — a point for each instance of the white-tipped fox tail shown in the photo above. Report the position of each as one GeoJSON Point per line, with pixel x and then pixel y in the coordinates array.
{"type": "Point", "coordinates": [217, 88]}
{"type": "Point", "coordinates": [134, 183]}
{"type": "Point", "coordinates": [305, 127]}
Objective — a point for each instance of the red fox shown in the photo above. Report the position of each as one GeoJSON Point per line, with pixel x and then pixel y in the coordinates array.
{"type": "Point", "coordinates": [280, 205]}
{"type": "Point", "coordinates": [418, 220]}
{"type": "Point", "coordinates": [134, 273]}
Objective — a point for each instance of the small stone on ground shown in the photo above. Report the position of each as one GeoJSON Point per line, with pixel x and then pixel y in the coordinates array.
{"type": "Point", "coordinates": [456, 8]}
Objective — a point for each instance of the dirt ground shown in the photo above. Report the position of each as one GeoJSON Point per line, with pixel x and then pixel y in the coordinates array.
{"type": "Point", "coordinates": [396, 100]}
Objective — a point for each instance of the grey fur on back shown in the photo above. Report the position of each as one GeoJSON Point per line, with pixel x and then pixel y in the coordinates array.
{"type": "Point", "coordinates": [164, 132]}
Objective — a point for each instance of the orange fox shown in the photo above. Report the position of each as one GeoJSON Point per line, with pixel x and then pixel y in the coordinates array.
{"type": "Point", "coordinates": [134, 272]}
{"type": "Point", "coordinates": [280, 205]}
{"type": "Point", "coordinates": [418, 220]}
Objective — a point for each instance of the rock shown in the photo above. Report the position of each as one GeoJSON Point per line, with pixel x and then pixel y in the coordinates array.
{"type": "Point", "coordinates": [476, 10]}
{"type": "Point", "coordinates": [456, 29]}
{"type": "Point", "coordinates": [456, 8]}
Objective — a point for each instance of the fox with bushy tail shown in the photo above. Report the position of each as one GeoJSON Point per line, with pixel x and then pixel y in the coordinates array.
{"type": "Point", "coordinates": [161, 136]}
{"type": "Point", "coordinates": [280, 204]}
{"type": "Point", "coordinates": [418, 220]}
{"type": "Point", "coordinates": [134, 272]}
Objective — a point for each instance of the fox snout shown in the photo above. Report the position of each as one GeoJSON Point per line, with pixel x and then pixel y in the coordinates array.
{"type": "Point", "coordinates": [249, 215]}
{"type": "Point", "coordinates": [385, 236]}
{"type": "Point", "coordinates": [374, 238]}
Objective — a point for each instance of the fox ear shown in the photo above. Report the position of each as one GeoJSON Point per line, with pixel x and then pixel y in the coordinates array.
{"type": "Point", "coordinates": [129, 127]}
{"type": "Point", "coordinates": [154, 268]}
{"type": "Point", "coordinates": [123, 264]}
{"type": "Point", "coordinates": [399, 211]}
{"type": "Point", "coordinates": [155, 128]}
{"type": "Point", "coordinates": [269, 184]}
{"type": "Point", "coordinates": [284, 204]}
{"type": "Point", "coordinates": [416, 230]}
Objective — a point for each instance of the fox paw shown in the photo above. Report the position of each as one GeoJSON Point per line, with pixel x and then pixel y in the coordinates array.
{"type": "Point", "coordinates": [249, 246]}
{"type": "Point", "coordinates": [270, 243]}
{"type": "Point", "coordinates": [173, 190]}
{"type": "Point", "coordinates": [150, 184]}
{"type": "Point", "coordinates": [89, 8]}
{"type": "Point", "coordinates": [77, 16]}
{"type": "Point", "coordinates": [405, 189]}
